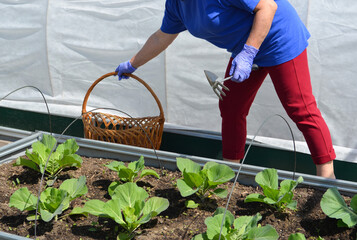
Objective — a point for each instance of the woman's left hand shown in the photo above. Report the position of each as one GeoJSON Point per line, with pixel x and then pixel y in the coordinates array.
{"type": "Point", "coordinates": [242, 64]}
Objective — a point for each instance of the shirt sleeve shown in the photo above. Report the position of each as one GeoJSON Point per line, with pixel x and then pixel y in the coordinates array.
{"type": "Point", "coordinates": [247, 5]}
{"type": "Point", "coordinates": [171, 23]}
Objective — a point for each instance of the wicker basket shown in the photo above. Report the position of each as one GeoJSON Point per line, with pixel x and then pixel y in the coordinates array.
{"type": "Point", "coordinates": [142, 132]}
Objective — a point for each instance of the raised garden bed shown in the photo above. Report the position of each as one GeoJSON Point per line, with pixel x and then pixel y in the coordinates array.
{"type": "Point", "coordinates": [176, 222]}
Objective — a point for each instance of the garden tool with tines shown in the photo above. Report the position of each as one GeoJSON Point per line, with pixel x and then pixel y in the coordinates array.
{"type": "Point", "coordinates": [217, 83]}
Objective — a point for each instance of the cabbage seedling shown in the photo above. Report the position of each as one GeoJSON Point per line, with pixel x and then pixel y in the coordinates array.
{"type": "Point", "coordinates": [279, 198]}
{"type": "Point", "coordinates": [52, 202]}
{"type": "Point", "coordinates": [63, 157]}
{"type": "Point", "coordinates": [334, 206]}
{"type": "Point", "coordinates": [241, 228]}
{"type": "Point", "coordinates": [202, 181]}
{"type": "Point", "coordinates": [129, 207]}
{"type": "Point", "coordinates": [132, 173]}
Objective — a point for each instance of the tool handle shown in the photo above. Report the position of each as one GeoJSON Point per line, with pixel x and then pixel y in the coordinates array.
{"type": "Point", "coordinates": [255, 67]}
{"type": "Point", "coordinates": [227, 78]}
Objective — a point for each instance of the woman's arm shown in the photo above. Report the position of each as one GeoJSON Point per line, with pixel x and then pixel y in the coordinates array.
{"type": "Point", "coordinates": [264, 14]}
{"type": "Point", "coordinates": [242, 63]}
{"type": "Point", "coordinates": [155, 44]}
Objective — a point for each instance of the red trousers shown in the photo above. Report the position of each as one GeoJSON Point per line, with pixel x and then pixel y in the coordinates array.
{"type": "Point", "coordinates": [293, 86]}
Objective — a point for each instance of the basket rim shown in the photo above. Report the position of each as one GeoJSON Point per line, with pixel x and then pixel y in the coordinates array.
{"type": "Point", "coordinates": [85, 100]}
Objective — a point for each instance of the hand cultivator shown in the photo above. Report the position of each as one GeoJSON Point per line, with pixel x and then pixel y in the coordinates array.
{"type": "Point", "coordinates": [217, 83]}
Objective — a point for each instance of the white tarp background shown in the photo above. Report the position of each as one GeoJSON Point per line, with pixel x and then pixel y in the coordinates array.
{"type": "Point", "coordinates": [62, 46]}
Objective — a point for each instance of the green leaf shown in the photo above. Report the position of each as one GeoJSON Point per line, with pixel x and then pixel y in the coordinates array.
{"type": "Point", "coordinates": [194, 180]}
{"type": "Point", "coordinates": [138, 207]}
{"type": "Point", "coordinates": [35, 157]}
{"type": "Point", "coordinates": [208, 165]}
{"type": "Point", "coordinates": [126, 174]}
{"type": "Point", "coordinates": [52, 198]}
{"type": "Point", "coordinates": [202, 236]}
{"type": "Point", "coordinates": [289, 185]}
{"type": "Point", "coordinates": [300, 179]}
{"type": "Point", "coordinates": [48, 141]}
{"type": "Point", "coordinates": [147, 172]}
{"type": "Point", "coordinates": [114, 165]}
{"type": "Point", "coordinates": [188, 165]}
{"type": "Point", "coordinates": [220, 192]}
{"type": "Point", "coordinates": [334, 206]}
{"type": "Point", "coordinates": [268, 177]}
{"type": "Point", "coordinates": [340, 223]}
{"type": "Point", "coordinates": [50, 182]}
{"type": "Point", "coordinates": [32, 217]}
{"type": "Point", "coordinates": [263, 233]}
{"type": "Point", "coordinates": [132, 214]}
{"type": "Point", "coordinates": [254, 197]}
{"type": "Point", "coordinates": [23, 199]}
{"type": "Point", "coordinates": [39, 153]}
{"type": "Point", "coordinates": [68, 147]}
{"type": "Point", "coordinates": [144, 218]}
{"type": "Point", "coordinates": [78, 211]}
{"type": "Point", "coordinates": [269, 201]}
{"type": "Point", "coordinates": [125, 236]}
{"type": "Point", "coordinates": [245, 223]}
{"type": "Point", "coordinates": [214, 226]}
{"type": "Point", "coordinates": [47, 215]}
{"type": "Point", "coordinates": [191, 204]}
{"type": "Point", "coordinates": [292, 205]}
{"type": "Point", "coordinates": [155, 205]}
{"type": "Point", "coordinates": [129, 193]}
{"type": "Point", "coordinates": [185, 189]}
{"type": "Point", "coordinates": [112, 187]}
{"type": "Point", "coordinates": [72, 160]}
{"type": "Point", "coordinates": [297, 236]}
{"type": "Point", "coordinates": [53, 165]}
{"type": "Point", "coordinates": [271, 193]}
{"type": "Point", "coordinates": [285, 198]}
{"type": "Point", "coordinates": [229, 219]}
{"type": "Point", "coordinates": [75, 187]}
{"type": "Point", "coordinates": [219, 174]}
{"type": "Point", "coordinates": [113, 208]}
{"type": "Point", "coordinates": [94, 207]}
{"type": "Point", "coordinates": [214, 223]}
{"type": "Point", "coordinates": [27, 163]}
{"type": "Point", "coordinates": [138, 165]}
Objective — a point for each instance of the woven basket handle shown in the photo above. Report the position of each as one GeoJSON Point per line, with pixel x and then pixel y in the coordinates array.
{"type": "Point", "coordinates": [129, 75]}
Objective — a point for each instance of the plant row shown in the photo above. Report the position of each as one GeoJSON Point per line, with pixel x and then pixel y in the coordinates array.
{"type": "Point", "coordinates": [130, 205]}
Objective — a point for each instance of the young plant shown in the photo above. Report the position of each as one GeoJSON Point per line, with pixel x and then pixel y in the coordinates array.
{"type": "Point", "coordinates": [202, 181]}
{"type": "Point", "coordinates": [334, 206]}
{"type": "Point", "coordinates": [297, 236]}
{"type": "Point", "coordinates": [279, 198]}
{"type": "Point", "coordinates": [63, 157]}
{"type": "Point", "coordinates": [129, 207]}
{"type": "Point", "coordinates": [52, 201]}
{"type": "Point", "coordinates": [244, 228]}
{"type": "Point", "coordinates": [133, 173]}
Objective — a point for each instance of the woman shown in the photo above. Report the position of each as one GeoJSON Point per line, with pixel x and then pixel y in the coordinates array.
{"type": "Point", "coordinates": [265, 32]}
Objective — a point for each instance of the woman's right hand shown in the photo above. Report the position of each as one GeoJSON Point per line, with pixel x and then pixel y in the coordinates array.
{"type": "Point", "coordinates": [124, 67]}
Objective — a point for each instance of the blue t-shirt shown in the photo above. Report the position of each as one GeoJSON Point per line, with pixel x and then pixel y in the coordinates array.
{"type": "Point", "coordinates": [227, 24]}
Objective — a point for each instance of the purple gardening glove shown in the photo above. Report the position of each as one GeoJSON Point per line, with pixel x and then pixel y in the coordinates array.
{"type": "Point", "coordinates": [124, 67]}
{"type": "Point", "coordinates": [242, 64]}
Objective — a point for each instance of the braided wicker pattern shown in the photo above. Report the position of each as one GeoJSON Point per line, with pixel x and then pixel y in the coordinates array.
{"type": "Point", "coordinates": [142, 132]}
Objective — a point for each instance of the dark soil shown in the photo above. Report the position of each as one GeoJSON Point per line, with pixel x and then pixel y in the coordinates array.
{"type": "Point", "coordinates": [177, 222]}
